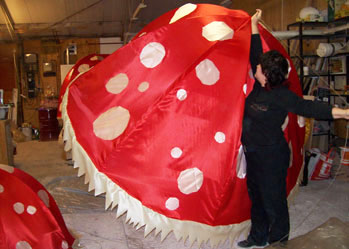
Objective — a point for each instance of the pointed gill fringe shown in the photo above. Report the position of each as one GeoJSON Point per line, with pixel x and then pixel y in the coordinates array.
{"type": "Point", "coordinates": [137, 214]}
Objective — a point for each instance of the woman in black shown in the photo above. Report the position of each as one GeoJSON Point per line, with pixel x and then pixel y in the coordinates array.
{"type": "Point", "coordinates": [266, 150]}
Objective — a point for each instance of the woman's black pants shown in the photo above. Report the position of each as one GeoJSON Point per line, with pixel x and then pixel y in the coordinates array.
{"type": "Point", "coordinates": [266, 182]}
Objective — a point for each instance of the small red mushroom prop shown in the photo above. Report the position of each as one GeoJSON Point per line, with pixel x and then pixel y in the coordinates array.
{"type": "Point", "coordinates": [30, 218]}
{"type": "Point", "coordinates": [156, 126]}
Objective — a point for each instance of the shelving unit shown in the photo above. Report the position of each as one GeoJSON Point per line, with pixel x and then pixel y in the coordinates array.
{"type": "Point", "coordinates": [299, 56]}
{"type": "Point", "coordinates": [320, 80]}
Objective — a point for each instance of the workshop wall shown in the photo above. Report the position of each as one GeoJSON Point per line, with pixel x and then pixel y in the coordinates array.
{"type": "Point", "coordinates": [47, 83]}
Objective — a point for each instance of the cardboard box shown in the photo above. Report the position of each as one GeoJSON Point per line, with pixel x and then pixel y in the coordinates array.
{"type": "Point", "coordinates": [340, 128]}
{"type": "Point", "coordinates": [6, 146]}
{"type": "Point", "coordinates": [341, 9]}
{"type": "Point", "coordinates": [337, 9]}
{"type": "Point", "coordinates": [338, 65]}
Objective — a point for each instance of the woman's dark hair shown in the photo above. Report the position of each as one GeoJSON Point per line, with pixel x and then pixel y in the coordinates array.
{"type": "Point", "coordinates": [274, 67]}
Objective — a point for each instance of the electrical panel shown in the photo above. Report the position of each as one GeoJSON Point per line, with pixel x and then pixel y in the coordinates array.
{"type": "Point", "coordinates": [31, 84]}
{"type": "Point", "coordinates": [31, 71]}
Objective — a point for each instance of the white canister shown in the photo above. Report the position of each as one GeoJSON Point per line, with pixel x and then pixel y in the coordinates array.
{"type": "Point", "coordinates": [27, 131]}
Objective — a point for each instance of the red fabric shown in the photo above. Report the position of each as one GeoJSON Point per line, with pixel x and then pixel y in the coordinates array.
{"type": "Point", "coordinates": [139, 159]}
{"type": "Point", "coordinates": [73, 72]}
{"type": "Point", "coordinates": [29, 215]}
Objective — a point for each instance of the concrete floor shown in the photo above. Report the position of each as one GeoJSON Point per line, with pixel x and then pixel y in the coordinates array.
{"type": "Point", "coordinates": [99, 229]}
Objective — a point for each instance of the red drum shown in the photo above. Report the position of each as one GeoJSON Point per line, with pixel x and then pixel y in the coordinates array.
{"type": "Point", "coordinates": [49, 129]}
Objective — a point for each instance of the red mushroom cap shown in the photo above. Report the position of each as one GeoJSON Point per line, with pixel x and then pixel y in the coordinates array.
{"type": "Point", "coordinates": [157, 125]}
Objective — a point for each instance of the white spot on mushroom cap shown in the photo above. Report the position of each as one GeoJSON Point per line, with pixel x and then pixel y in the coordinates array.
{"type": "Point", "coordinates": [219, 137]}
{"type": "Point", "coordinates": [65, 244]}
{"type": "Point", "coordinates": [143, 86]}
{"type": "Point", "coordinates": [83, 68]}
{"type": "Point", "coordinates": [172, 203]}
{"type": "Point", "coordinates": [23, 245]}
{"type": "Point", "coordinates": [176, 152]}
{"type": "Point", "coordinates": [301, 121]}
{"type": "Point", "coordinates": [18, 207]}
{"type": "Point", "coordinates": [284, 125]}
{"type": "Point", "coordinates": [31, 210]}
{"type": "Point", "coordinates": [152, 54]}
{"type": "Point", "coordinates": [112, 123]}
{"type": "Point", "coordinates": [44, 197]}
{"type": "Point", "coordinates": [7, 168]}
{"type": "Point", "coordinates": [181, 94]}
{"type": "Point", "coordinates": [183, 11]}
{"type": "Point", "coordinates": [241, 164]}
{"type": "Point", "coordinates": [190, 180]}
{"type": "Point", "coordinates": [217, 31]}
{"type": "Point", "coordinates": [97, 58]}
{"type": "Point", "coordinates": [117, 83]}
{"type": "Point", "coordinates": [207, 72]}
{"type": "Point", "coordinates": [1, 189]}
{"type": "Point", "coordinates": [244, 89]}
{"type": "Point", "coordinates": [289, 69]}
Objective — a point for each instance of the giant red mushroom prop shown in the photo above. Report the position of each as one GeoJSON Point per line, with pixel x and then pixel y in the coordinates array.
{"type": "Point", "coordinates": [157, 125]}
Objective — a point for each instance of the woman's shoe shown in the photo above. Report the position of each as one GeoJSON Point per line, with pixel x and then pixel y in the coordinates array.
{"type": "Point", "coordinates": [250, 244]}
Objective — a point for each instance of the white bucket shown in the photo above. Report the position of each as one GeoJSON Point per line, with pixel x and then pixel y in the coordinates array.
{"type": "Point", "coordinates": [27, 131]}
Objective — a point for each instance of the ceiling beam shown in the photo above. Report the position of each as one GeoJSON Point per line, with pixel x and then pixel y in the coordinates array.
{"type": "Point", "coordinates": [9, 20]}
{"type": "Point", "coordinates": [70, 16]}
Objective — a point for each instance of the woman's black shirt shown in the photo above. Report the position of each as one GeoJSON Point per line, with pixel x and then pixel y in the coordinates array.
{"type": "Point", "coordinates": [266, 110]}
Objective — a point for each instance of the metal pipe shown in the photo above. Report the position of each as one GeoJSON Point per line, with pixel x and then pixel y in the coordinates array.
{"type": "Point", "coordinates": [336, 29]}
{"type": "Point", "coordinates": [67, 56]}
{"type": "Point", "coordinates": [292, 33]}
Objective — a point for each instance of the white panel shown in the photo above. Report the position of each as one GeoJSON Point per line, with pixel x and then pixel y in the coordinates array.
{"type": "Point", "coordinates": [64, 70]}
{"type": "Point", "coordinates": [109, 45]}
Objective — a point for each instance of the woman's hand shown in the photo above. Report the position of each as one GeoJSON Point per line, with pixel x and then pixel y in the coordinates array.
{"type": "Point", "coordinates": [255, 20]}
{"type": "Point", "coordinates": [338, 113]}
{"type": "Point", "coordinates": [256, 17]}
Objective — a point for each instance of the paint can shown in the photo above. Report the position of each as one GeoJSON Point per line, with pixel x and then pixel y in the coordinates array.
{"type": "Point", "coordinates": [27, 131]}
